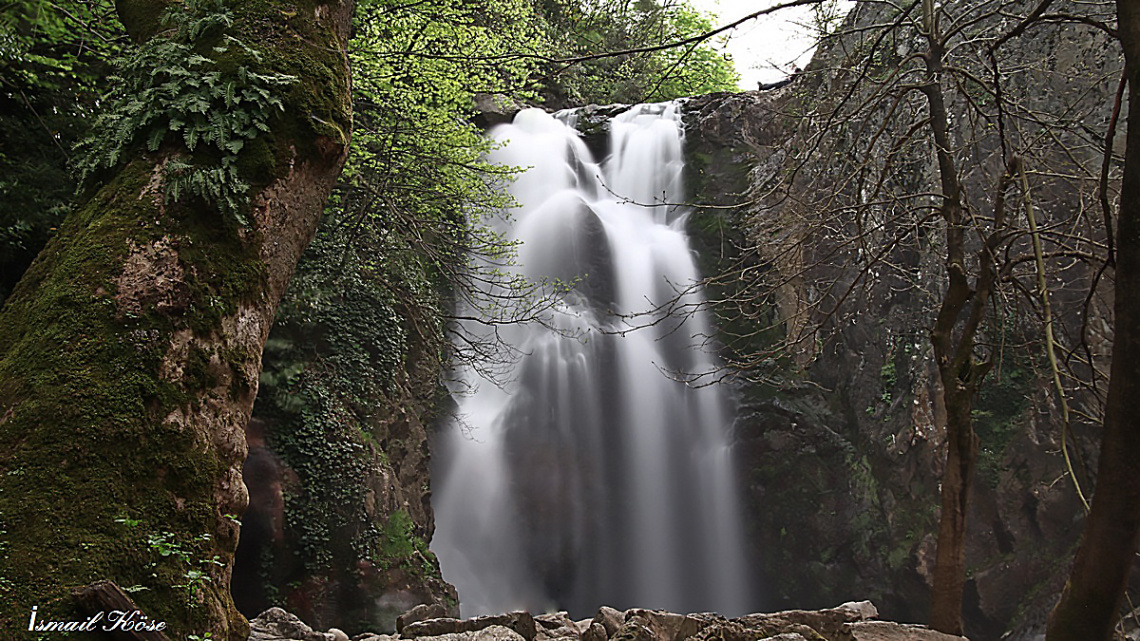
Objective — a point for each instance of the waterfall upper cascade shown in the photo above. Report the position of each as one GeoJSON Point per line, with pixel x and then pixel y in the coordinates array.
{"type": "Point", "coordinates": [595, 475]}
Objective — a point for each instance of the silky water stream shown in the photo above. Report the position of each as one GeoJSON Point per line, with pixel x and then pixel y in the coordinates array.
{"type": "Point", "coordinates": [594, 474]}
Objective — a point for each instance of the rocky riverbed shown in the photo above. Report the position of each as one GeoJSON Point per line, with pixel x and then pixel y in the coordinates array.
{"type": "Point", "coordinates": [848, 622]}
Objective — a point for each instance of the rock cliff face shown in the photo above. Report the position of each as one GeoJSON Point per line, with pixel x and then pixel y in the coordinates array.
{"type": "Point", "coordinates": [338, 471]}
{"type": "Point", "coordinates": [841, 433]}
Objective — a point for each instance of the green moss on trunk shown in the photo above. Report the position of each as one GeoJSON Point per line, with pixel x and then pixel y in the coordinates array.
{"type": "Point", "coordinates": [85, 408]}
{"type": "Point", "coordinates": [129, 355]}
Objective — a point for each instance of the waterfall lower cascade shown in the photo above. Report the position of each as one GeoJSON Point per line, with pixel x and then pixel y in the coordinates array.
{"type": "Point", "coordinates": [596, 475]}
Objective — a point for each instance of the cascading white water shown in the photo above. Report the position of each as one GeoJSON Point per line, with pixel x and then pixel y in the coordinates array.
{"type": "Point", "coordinates": [595, 475]}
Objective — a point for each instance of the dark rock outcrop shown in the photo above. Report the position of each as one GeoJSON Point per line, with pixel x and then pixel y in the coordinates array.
{"type": "Point", "coordinates": [340, 509]}
{"type": "Point", "coordinates": [494, 109]}
{"type": "Point", "coordinates": [842, 446]}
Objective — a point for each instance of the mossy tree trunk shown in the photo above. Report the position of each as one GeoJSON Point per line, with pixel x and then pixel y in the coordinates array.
{"type": "Point", "coordinates": [130, 351]}
{"type": "Point", "coordinates": [1092, 598]}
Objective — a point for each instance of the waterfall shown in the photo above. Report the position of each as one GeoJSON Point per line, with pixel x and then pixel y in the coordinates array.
{"type": "Point", "coordinates": [595, 474]}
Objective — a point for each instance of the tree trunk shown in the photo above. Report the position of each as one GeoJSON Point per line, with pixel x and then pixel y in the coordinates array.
{"type": "Point", "coordinates": [950, 561]}
{"type": "Point", "coordinates": [130, 352]}
{"type": "Point", "coordinates": [953, 336]}
{"type": "Point", "coordinates": [1092, 597]}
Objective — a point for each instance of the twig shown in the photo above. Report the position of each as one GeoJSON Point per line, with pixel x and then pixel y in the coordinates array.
{"type": "Point", "coordinates": [1050, 342]}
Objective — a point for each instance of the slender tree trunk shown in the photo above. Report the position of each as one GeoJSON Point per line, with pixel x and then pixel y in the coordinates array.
{"type": "Point", "coordinates": [959, 319]}
{"type": "Point", "coordinates": [130, 353]}
{"type": "Point", "coordinates": [957, 481]}
{"type": "Point", "coordinates": [1092, 597]}
{"type": "Point", "coordinates": [949, 567]}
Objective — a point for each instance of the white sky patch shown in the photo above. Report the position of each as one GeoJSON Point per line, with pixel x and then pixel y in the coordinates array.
{"type": "Point", "coordinates": [768, 48]}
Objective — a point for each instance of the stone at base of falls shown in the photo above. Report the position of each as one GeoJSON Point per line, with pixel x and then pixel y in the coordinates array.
{"type": "Point", "coordinates": [422, 612]}
{"type": "Point", "coordinates": [595, 632]}
{"type": "Point", "coordinates": [831, 623]}
{"type": "Point", "coordinates": [276, 624]}
{"type": "Point", "coordinates": [849, 622]}
{"type": "Point", "coordinates": [656, 625]}
{"type": "Point", "coordinates": [610, 619]}
{"type": "Point", "coordinates": [558, 625]}
{"type": "Point", "coordinates": [521, 622]}
{"type": "Point", "coordinates": [489, 633]}
{"type": "Point", "coordinates": [887, 631]}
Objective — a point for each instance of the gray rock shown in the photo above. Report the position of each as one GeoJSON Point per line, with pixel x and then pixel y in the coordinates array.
{"type": "Point", "coordinates": [888, 631]}
{"type": "Point", "coordinates": [521, 622]}
{"type": "Point", "coordinates": [862, 609]}
{"type": "Point", "coordinates": [553, 620]}
{"type": "Point", "coordinates": [634, 629]}
{"type": "Point", "coordinates": [276, 624]}
{"type": "Point", "coordinates": [669, 626]}
{"type": "Point", "coordinates": [595, 632]}
{"type": "Point", "coordinates": [421, 612]}
{"type": "Point", "coordinates": [489, 633]}
{"type": "Point", "coordinates": [848, 622]}
{"type": "Point", "coordinates": [558, 625]}
{"type": "Point", "coordinates": [610, 619]}
{"type": "Point", "coordinates": [734, 630]}
{"type": "Point", "coordinates": [828, 623]}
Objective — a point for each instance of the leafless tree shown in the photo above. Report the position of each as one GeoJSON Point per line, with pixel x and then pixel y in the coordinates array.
{"type": "Point", "coordinates": [922, 130]}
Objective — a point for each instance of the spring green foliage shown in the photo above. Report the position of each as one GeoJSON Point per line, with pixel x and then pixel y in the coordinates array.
{"type": "Point", "coordinates": [586, 28]}
{"type": "Point", "coordinates": [173, 86]}
{"type": "Point", "coordinates": [693, 69]}
{"type": "Point", "coordinates": [418, 64]}
{"type": "Point", "coordinates": [416, 168]}
{"type": "Point", "coordinates": [433, 55]}
{"type": "Point", "coordinates": [52, 61]}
